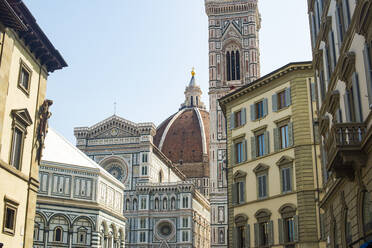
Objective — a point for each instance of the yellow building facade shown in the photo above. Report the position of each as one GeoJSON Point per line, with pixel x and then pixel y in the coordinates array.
{"type": "Point", "coordinates": [273, 160]}
{"type": "Point", "coordinates": [26, 58]}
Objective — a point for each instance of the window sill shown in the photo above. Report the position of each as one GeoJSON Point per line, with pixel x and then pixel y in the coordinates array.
{"type": "Point", "coordinates": [259, 119]}
{"type": "Point", "coordinates": [237, 128]}
{"type": "Point", "coordinates": [24, 90]}
{"type": "Point", "coordinates": [8, 232]}
{"type": "Point", "coordinates": [282, 109]}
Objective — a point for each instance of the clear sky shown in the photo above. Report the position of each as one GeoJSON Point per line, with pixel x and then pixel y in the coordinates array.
{"type": "Point", "coordinates": [140, 54]}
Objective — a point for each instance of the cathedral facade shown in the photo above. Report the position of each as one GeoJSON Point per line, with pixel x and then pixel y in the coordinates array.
{"type": "Point", "coordinates": [233, 62]}
{"type": "Point", "coordinates": [162, 208]}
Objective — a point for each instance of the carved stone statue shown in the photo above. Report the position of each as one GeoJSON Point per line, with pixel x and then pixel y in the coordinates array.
{"type": "Point", "coordinates": [44, 115]}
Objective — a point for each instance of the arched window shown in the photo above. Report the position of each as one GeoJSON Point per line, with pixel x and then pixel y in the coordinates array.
{"type": "Point", "coordinates": [156, 203]}
{"type": "Point", "coordinates": [82, 235]}
{"type": "Point", "coordinates": [160, 176]}
{"type": "Point", "coordinates": [197, 100]}
{"type": "Point", "coordinates": [36, 231]}
{"type": "Point", "coordinates": [135, 204]}
{"type": "Point", "coordinates": [233, 65]}
{"type": "Point", "coordinates": [58, 231]}
{"type": "Point", "coordinates": [228, 66]}
{"type": "Point", "coordinates": [191, 101]}
{"type": "Point", "coordinates": [127, 204]}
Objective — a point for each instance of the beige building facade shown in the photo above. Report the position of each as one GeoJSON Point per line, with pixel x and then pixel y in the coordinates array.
{"type": "Point", "coordinates": [273, 160]}
{"type": "Point", "coordinates": [342, 57]}
{"type": "Point", "coordinates": [26, 58]}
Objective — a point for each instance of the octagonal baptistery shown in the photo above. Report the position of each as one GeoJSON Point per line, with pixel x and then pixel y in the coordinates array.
{"type": "Point", "coordinates": [184, 138]}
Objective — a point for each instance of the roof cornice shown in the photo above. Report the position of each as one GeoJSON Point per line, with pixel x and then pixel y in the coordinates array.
{"type": "Point", "coordinates": [282, 71]}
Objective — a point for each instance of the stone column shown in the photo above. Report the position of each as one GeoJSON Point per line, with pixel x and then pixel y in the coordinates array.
{"type": "Point", "coordinates": [70, 233]}
{"type": "Point", "coordinates": [46, 236]}
{"type": "Point", "coordinates": [105, 243]}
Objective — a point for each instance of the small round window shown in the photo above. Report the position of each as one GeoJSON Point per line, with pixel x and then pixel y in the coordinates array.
{"type": "Point", "coordinates": [165, 229]}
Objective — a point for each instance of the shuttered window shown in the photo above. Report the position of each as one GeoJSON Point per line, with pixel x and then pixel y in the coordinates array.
{"type": "Point", "coordinates": [262, 186]}
{"type": "Point", "coordinates": [368, 72]}
{"type": "Point", "coordinates": [286, 175]}
{"type": "Point", "coordinates": [281, 99]}
{"type": "Point", "coordinates": [260, 145]}
{"type": "Point", "coordinates": [238, 118]}
{"type": "Point", "coordinates": [288, 229]}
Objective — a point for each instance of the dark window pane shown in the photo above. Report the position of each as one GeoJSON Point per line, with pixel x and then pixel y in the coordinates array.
{"type": "Point", "coordinates": [16, 148]}
{"type": "Point", "coordinates": [233, 66]}
{"type": "Point", "coordinates": [237, 66]}
{"type": "Point", "coordinates": [228, 69]}
{"type": "Point", "coordinates": [9, 221]}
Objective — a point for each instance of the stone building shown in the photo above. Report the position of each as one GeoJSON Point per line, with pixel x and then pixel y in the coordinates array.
{"type": "Point", "coordinates": [163, 209]}
{"type": "Point", "coordinates": [79, 204]}
{"type": "Point", "coordinates": [341, 36]}
{"type": "Point", "coordinates": [27, 57]}
{"type": "Point", "coordinates": [234, 60]}
{"type": "Point", "coordinates": [273, 160]}
{"type": "Point", "coordinates": [184, 138]}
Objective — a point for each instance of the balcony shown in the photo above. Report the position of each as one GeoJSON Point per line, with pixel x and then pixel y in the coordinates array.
{"type": "Point", "coordinates": [343, 145]}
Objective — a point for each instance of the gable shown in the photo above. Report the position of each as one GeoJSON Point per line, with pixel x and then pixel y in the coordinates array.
{"type": "Point", "coordinates": [231, 32]}
{"type": "Point", "coordinates": [284, 160]}
{"type": "Point", "coordinates": [261, 167]}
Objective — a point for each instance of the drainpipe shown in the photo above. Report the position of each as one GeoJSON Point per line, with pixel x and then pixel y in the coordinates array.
{"type": "Point", "coordinates": [315, 153]}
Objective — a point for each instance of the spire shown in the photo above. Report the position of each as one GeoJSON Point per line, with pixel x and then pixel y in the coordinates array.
{"type": "Point", "coordinates": [193, 94]}
{"type": "Point", "coordinates": [192, 81]}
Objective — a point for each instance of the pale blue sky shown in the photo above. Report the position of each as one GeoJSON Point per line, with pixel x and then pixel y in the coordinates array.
{"type": "Point", "coordinates": [140, 53]}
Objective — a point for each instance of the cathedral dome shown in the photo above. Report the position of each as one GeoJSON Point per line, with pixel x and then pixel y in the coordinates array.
{"type": "Point", "coordinates": [184, 136]}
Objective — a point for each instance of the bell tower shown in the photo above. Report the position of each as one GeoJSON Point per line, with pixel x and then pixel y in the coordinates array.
{"type": "Point", "coordinates": [234, 60]}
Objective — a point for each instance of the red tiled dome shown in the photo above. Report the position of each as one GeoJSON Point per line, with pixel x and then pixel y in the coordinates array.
{"type": "Point", "coordinates": [184, 139]}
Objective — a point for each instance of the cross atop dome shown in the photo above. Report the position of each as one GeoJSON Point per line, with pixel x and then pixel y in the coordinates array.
{"type": "Point", "coordinates": [193, 94]}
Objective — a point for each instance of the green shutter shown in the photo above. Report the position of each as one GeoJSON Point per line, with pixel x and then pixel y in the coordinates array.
{"type": "Point", "coordinates": [367, 67]}
{"type": "Point", "coordinates": [347, 106]}
{"type": "Point", "coordinates": [235, 237]}
{"type": "Point", "coordinates": [295, 231]}
{"type": "Point", "coordinates": [328, 74]}
{"type": "Point", "coordinates": [244, 150]}
{"type": "Point", "coordinates": [253, 147]}
{"type": "Point", "coordinates": [288, 99]}
{"type": "Point", "coordinates": [356, 98]}
{"type": "Point", "coordinates": [290, 134]}
{"type": "Point", "coordinates": [312, 88]}
{"type": "Point", "coordinates": [256, 235]}
{"type": "Point", "coordinates": [247, 236]}
{"type": "Point", "coordinates": [274, 102]}
{"type": "Point", "coordinates": [244, 116]}
{"type": "Point", "coordinates": [232, 120]}
{"type": "Point", "coordinates": [233, 154]}
{"type": "Point", "coordinates": [339, 30]}
{"type": "Point", "coordinates": [241, 192]}
{"type": "Point", "coordinates": [234, 193]}
{"type": "Point", "coordinates": [276, 140]}
{"type": "Point", "coordinates": [267, 142]}
{"type": "Point", "coordinates": [281, 231]}
{"type": "Point", "coordinates": [253, 114]}
{"type": "Point", "coordinates": [271, 233]}
{"type": "Point", "coordinates": [346, 12]}
{"type": "Point", "coordinates": [265, 107]}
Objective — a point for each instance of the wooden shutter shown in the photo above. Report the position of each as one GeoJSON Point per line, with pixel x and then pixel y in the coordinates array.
{"type": "Point", "coordinates": [243, 116]}
{"type": "Point", "coordinates": [328, 74]}
{"type": "Point", "coordinates": [367, 67]}
{"type": "Point", "coordinates": [247, 236]}
{"type": "Point", "coordinates": [244, 144]}
{"type": "Point", "coordinates": [276, 140]}
{"type": "Point", "coordinates": [288, 96]}
{"type": "Point", "coordinates": [253, 112]}
{"type": "Point", "coordinates": [265, 107]}
{"type": "Point", "coordinates": [264, 185]}
{"type": "Point", "coordinates": [290, 134]}
{"type": "Point", "coordinates": [235, 237]}
{"type": "Point", "coordinates": [233, 155]}
{"type": "Point", "coordinates": [256, 235]}
{"type": "Point", "coordinates": [313, 29]}
{"type": "Point", "coordinates": [274, 102]}
{"type": "Point", "coordinates": [356, 97]}
{"type": "Point", "coordinates": [322, 227]}
{"type": "Point", "coordinates": [271, 233]}
{"type": "Point", "coordinates": [283, 181]}
{"type": "Point", "coordinates": [234, 193]}
{"type": "Point", "coordinates": [281, 231]}
{"type": "Point", "coordinates": [347, 106]}
{"type": "Point", "coordinates": [289, 178]}
{"type": "Point", "coordinates": [267, 142]}
{"type": "Point", "coordinates": [260, 191]}
{"type": "Point", "coordinates": [232, 120]}
{"type": "Point", "coordinates": [295, 229]}
{"type": "Point", "coordinates": [253, 147]}
{"type": "Point", "coordinates": [331, 50]}
{"type": "Point", "coordinates": [241, 192]}
{"type": "Point", "coordinates": [346, 12]}
{"type": "Point", "coordinates": [339, 30]}
{"type": "Point", "coordinates": [312, 88]}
